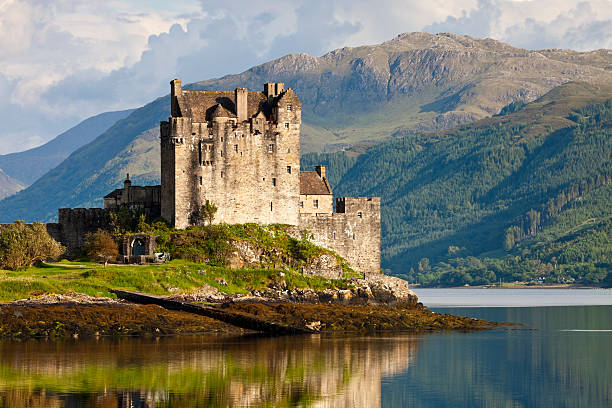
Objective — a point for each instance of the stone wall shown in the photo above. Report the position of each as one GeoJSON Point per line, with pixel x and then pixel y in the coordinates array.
{"type": "Point", "coordinates": [353, 231]}
{"type": "Point", "coordinates": [324, 203]}
{"type": "Point", "coordinates": [76, 223]}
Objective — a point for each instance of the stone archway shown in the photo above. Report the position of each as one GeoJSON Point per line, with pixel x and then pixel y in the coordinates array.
{"type": "Point", "coordinates": [138, 247]}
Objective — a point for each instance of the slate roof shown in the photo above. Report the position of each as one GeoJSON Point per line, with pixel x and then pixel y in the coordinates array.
{"type": "Point", "coordinates": [312, 184]}
{"type": "Point", "coordinates": [200, 105]}
{"type": "Point", "coordinates": [115, 193]}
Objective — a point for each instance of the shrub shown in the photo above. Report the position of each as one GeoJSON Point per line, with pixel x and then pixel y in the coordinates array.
{"type": "Point", "coordinates": [23, 245]}
{"type": "Point", "coordinates": [100, 246]}
{"type": "Point", "coordinates": [210, 244]}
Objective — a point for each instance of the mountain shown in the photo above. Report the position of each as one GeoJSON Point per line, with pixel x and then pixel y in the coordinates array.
{"type": "Point", "coordinates": [8, 185]}
{"type": "Point", "coordinates": [29, 165]}
{"type": "Point", "coordinates": [415, 82]}
{"type": "Point", "coordinates": [353, 97]}
{"type": "Point", "coordinates": [517, 196]}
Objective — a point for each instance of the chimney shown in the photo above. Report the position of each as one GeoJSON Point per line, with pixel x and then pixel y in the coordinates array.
{"type": "Point", "coordinates": [320, 171]}
{"type": "Point", "coordinates": [241, 103]}
{"type": "Point", "coordinates": [269, 89]}
{"type": "Point", "coordinates": [127, 183]}
{"type": "Point", "coordinates": [280, 88]}
{"type": "Point", "coordinates": [176, 90]}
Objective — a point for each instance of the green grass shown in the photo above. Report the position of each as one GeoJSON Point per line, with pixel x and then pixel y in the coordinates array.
{"type": "Point", "coordinates": [176, 276]}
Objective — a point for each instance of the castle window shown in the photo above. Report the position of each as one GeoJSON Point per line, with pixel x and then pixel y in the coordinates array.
{"type": "Point", "coordinates": [289, 169]}
{"type": "Point", "coordinates": [286, 125]}
{"type": "Point", "coordinates": [235, 148]}
{"type": "Point", "coordinates": [289, 107]}
{"type": "Point", "coordinates": [200, 180]}
{"type": "Point", "coordinates": [301, 204]}
{"type": "Point", "coordinates": [315, 203]}
{"type": "Point", "coordinates": [274, 181]}
{"type": "Point", "coordinates": [221, 153]}
{"type": "Point", "coordinates": [222, 173]}
{"type": "Point", "coordinates": [359, 214]}
{"type": "Point", "coordinates": [270, 205]}
{"type": "Point", "coordinates": [221, 137]}
{"type": "Point", "coordinates": [270, 148]}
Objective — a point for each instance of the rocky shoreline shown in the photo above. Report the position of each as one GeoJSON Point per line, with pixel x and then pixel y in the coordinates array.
{"type": "Point", "coordinates": [381, 304]}
{"type": "Point", "coordinates": [379, 290]}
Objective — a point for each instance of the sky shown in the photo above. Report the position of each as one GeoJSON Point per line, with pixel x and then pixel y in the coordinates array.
{"type": "Point", "coordinates": [62, 61]}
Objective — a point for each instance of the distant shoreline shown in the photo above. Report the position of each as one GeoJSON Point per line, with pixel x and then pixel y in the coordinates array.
{"type": "Point", "coordinates": [511, 287]}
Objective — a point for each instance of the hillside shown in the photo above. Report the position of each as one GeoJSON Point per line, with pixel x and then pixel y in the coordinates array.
{"type": "Point", "coordinates": [414, 82]}
{"type": "Point", "coordinates": [8, 185]}
{"type": "Point", "coordinates": [532, 184]}
{"type": "Point", "coordinates": [29, 165]}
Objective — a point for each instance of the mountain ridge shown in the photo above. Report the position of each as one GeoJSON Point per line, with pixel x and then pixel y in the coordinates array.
{"type": "Point", "coordinates": [343, 107]}
{"type": "Point", "coordinates": [19, 166]}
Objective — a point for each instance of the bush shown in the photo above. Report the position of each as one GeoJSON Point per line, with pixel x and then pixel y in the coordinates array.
{"type": "Point", "coordinates": [100, 246]}
{"type": "Point", "coordinates": [210, 244]}
{"type": "Point", "coordinates": [23, 245]}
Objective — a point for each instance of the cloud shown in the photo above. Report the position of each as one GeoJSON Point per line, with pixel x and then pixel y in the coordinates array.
{"type": "Point", "coordinates": [65, 60]}
{"type": "Point", "coordinates": [537, 24]}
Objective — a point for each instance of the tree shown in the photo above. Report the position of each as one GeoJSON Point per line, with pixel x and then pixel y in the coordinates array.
{"type": "Point", "coordinates": [23, 245]}
{"type": "Point", "coordinates": [208, 211]}
{"type": "Point", "coordinates": [101, 246]}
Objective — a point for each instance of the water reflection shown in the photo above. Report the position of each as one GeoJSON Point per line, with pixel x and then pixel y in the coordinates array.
{"type": "Point", "coordinates": [197, 371]}
{"type": "Point", "coordinates": [539, 365]}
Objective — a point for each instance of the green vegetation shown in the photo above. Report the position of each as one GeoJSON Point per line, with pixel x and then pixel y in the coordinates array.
{"type": "Point", "coordinates": [176, 276]}
{"type": "Point", "coordinates": [23, 245]}
{"type": "Point", "coordinates": [101, 246]}
{"type": "Point", "coordinates": [522, 196]}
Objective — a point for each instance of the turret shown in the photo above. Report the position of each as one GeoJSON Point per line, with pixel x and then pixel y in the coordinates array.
{"type": "Point", "coordinates": [127, 183]}
{"type": "Point", "coordinates": [241, 95]}
{"type": "Point", "coordinates": [176, 91]}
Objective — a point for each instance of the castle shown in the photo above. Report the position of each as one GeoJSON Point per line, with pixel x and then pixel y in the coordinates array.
{"type": "Point", "coordinates": [241, 151]}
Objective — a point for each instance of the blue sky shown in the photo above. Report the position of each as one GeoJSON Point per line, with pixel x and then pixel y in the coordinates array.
{"type": "Point", "coordinates": [62, 61]}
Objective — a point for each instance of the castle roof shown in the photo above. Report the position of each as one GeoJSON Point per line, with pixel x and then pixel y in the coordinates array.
{"type": "Point", "coordinates": [220, 112]}
{"type": "Point", "coordinates": [200, 105]}
{"type": "Point", "coordinates": [115, 193]}
{"type": "Point", "coordinates": [312, 184]}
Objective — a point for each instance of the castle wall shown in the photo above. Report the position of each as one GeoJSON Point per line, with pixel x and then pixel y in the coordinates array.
{"type": "Point", "coordinates": [353, 231]}
{"type": "Point", "coordinates": [75, 224]}
{"type": "Point", "coordinates": [324, 203]}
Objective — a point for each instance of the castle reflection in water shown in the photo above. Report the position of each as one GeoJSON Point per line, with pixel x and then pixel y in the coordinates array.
{"type": "Point", "coordinates": [193, 371]}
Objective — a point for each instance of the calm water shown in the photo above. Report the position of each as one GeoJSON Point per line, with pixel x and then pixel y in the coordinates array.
{"type": "Point", "coordinates": [561, 358]}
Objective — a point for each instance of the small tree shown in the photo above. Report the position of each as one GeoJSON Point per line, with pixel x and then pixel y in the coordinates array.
{"type": "Point", "coordinates": [23, 245]}
{"type": "Point", "coordinates": [208, 211]}
{"type": "Point", "coordinates": [101, 246]}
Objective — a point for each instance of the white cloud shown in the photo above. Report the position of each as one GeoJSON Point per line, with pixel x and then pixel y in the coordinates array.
{"type": "Point", "coordinates": [65, 60]}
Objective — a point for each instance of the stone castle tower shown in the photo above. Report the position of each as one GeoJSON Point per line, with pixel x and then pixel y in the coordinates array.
{"type": "Point", "coordinates": [240, 150]}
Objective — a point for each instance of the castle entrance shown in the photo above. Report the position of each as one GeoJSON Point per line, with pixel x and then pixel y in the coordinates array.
{"type": "Point", "coordinates": [138, 247]}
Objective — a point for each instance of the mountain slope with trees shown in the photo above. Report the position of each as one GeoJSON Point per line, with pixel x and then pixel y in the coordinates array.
{"type": "Point", "coordinates": [527, 191]}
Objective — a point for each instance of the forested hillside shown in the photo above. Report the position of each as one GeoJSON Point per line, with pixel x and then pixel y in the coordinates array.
{"type": "Point", "coordinates": [519, 196]}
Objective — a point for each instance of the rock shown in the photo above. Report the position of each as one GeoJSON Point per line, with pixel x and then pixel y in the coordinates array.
{"type": "Point", "coordinates": [316, 326]}
{"type": "Point", "coordinates": [325, 265]}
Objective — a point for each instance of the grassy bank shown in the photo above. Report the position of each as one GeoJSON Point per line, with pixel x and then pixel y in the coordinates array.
{"type": "Point", "coordinates": [177, 276]}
